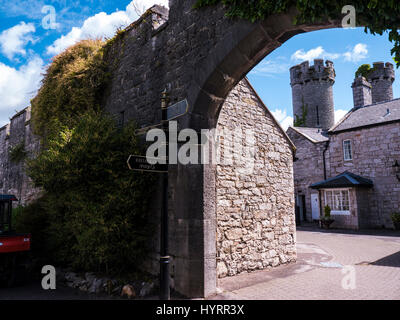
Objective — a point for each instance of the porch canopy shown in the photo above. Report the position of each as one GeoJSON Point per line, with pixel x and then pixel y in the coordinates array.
{"type": "Point", "coordinates": [344, 180]}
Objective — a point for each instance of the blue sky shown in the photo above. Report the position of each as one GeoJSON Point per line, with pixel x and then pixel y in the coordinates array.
{"type": "Point", "coordinates": [30, 37]}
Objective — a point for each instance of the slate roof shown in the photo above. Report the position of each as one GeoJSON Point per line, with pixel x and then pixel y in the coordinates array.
{"type": "Point", "coordinates": [344, 180]}
{"type": "Point", "coordinates": [374, 114]}
{"type": "Point", "coordinates": [315, 135]}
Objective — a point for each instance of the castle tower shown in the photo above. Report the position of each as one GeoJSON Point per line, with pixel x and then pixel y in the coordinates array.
{"type": "Point", "coordinates": [362, 95]}
{"type": "Point", "coordinates": [312, 94]}
{"type": "Point", "coordinates": [381, 79]}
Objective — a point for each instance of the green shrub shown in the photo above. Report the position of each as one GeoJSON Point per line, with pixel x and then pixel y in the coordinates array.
{"type": "Point", "coordinates": [96, 208]}
{"type": "Point", "coordinates": [73, 84]}
{"type": "Point", "coordinates": [33, 219]}
{"type": "Point", "coordinates": [327, 212]}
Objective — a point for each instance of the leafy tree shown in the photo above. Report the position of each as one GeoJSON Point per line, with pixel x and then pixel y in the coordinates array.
{"type": "Point", "coordinates": [97, 210]}
{"type": "Point", "coordinates": [364, 70]}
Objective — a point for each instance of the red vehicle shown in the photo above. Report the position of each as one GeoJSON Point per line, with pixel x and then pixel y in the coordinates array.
{"type": "Point", "coordinates": [14, 248]}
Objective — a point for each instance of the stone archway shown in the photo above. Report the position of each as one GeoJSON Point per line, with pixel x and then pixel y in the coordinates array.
{"type": "Point", "coordinates": [199, 55]}
{"type": "Point", "coordinates": [238, 47]}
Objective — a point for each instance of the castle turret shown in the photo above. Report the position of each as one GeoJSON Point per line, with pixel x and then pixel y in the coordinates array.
{"type": "Point", "coordinates": [312, 93]}
{"type": "Point", "coordinates": [381, 79]}
{"type": "Point", "coordinates": [362, 95]}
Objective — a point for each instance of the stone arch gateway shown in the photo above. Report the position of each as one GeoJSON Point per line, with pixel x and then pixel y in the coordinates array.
{"type": "Point", "coordinates": [199, 55]}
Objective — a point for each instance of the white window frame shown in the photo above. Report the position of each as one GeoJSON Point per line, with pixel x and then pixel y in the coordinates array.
{"type": "Point", "coordinates": [338, 212]}
{"type": "Point", "coordinates": [350, 151]}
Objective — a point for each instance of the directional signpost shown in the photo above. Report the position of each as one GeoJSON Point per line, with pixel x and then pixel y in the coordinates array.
{"type": "Point", "coordinates": [177, 110]}
{"type": "Point", "coordinates": [141, 163]}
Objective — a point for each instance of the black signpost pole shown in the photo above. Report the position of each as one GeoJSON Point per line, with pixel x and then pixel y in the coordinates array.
{"type": "Point", "coordinates": [164, 257]}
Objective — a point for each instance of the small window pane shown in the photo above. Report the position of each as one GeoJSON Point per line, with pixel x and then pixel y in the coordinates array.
{"type": "Point", "coordinates": [347, 153]}
{"type": "Point", "coordinates": [338, 200]}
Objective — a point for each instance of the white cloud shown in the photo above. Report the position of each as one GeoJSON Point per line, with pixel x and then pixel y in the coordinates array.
{"type": "Point", "coordinates": [339, 114]}
{"type": "Point", "coordinates": [358, 53]}
{"type": "Point", "coordinates": [270, 68]}
{"type": "Point", "coordinates": [14, 40]}
{"type": "Point", "coordinates": [18, 86]}
{"type": "Point", "coordinates": [103, 25]}
{"type": "Point", "coordinates": [312, 54]}
{"type": "Point", "coordinates": [283, 118]}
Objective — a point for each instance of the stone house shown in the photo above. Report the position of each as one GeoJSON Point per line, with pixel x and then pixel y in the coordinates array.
{"type": "Point", "coordinates": [350, 166]}
{"type": "Point", "coordinates": [255, 203]}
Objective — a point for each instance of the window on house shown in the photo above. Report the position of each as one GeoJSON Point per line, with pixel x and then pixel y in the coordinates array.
{"type": "Point", "coordinates": [317, 116]}
{"type": "Point", "coordinates": [347, 153]}
{"type": "Point", "coordinates": [338, 201]}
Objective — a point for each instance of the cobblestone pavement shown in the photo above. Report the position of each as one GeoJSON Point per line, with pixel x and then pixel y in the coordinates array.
{"type": "Point", "coordinates": [324, 270]}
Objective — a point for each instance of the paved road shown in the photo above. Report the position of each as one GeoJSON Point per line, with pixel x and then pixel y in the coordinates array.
{"type": "Point", "coordinates": [329, 266]}
{"type": "Point", "coordinates": [317, 274]}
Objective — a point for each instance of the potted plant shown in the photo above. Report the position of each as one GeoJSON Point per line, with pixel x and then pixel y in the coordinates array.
{"type": "Point", "coordinates": [326, 220]}
{"type": "Point", "coordinates": [396, 220]}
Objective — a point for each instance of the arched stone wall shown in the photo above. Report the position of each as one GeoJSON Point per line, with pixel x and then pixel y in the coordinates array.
{"type": "Point", "coordinates": [200, 55]}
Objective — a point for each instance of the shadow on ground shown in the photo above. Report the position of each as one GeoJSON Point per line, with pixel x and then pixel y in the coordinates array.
{"type": "Point", "coordinates": [389, 261]}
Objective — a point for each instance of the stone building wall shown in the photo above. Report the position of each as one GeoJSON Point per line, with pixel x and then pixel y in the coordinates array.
{"type": "Point", "coordinates": [374, 150]}
{"type": "Point", "coordinates": [255, 203]}
{"type": "Point", "coordinates": [13, 177]}
{"type": "Point", "coordinates": [308, 166]}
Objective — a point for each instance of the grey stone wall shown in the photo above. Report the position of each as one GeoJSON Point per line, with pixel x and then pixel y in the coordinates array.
{"type": "Point", "coordinates": [13, 177]}
{"type": "Point", "coordinates": [308, 167]}
{"type": "Point", "coordinates": [255, 207]}
{"type": "Point", "coordinates": [374, 153]}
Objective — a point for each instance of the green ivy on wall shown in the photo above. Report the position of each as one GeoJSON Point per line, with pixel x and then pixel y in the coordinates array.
{"type": "Point", "coordinates": [301, 121]}
{"type": "Point", "coordinates": [376, 16]}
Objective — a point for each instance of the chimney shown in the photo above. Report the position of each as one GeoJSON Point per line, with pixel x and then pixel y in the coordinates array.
{"type": "Point", "coordinates": [381, 79]}
{"type": "Point", "coordinates": [362, 95]}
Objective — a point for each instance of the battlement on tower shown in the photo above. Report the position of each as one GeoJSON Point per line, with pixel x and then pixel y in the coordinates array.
{"type": "Point", "coordinates": [382, 71]}
{"type": "Point", "coordinates": [303, 73]}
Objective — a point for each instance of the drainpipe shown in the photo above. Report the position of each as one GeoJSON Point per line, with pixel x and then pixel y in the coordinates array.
{"type": "Point", "coordinates": [324, 159]}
